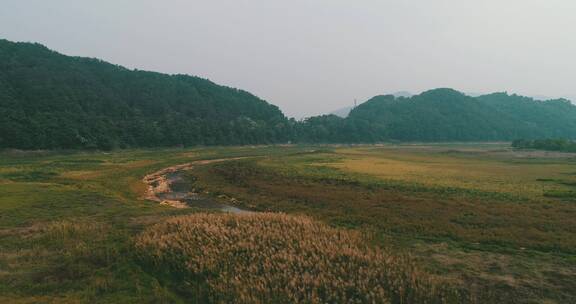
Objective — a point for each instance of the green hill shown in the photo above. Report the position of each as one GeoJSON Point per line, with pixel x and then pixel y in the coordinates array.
{"type": "Point", "coordinates": [540, 119]}
{"type": "Point", "coordinates": [53, 101]}
{"type": "Point", "coordinates": [48, 101]}
{"type": "Point", "coordinates": [448, 115]}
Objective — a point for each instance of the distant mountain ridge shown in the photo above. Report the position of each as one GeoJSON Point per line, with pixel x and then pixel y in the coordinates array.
{"type": "Point", "coordinates": [345, 111]}
{"type": "Point", "coordinates": [342, 112]}
{"type": "Point", "coordinates": [447, 115]}
{"type": "Point", "coordinates": [53, 101]}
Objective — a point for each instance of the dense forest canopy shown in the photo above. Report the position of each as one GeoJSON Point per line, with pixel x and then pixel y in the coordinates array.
{"type": "Point", "coordinates": [448, 115]}
{"type": "Point", "coordinates": [445, 115]}
{"type": "Point", "coordinates": [548, 144]}
{"type": "Point", "coordinates": [53, 101]}
{"type": "Point", "coordinates": [48, 100]}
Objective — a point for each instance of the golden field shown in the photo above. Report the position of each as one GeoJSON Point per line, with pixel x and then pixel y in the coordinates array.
{"type": "Point", "coordinates": [498, 221]}
{"type": "Point", "coordinates": [277, 258]}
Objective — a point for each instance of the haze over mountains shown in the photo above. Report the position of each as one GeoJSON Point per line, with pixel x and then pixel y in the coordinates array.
{"type": "Point", "coordinates": [52, 101]}
{"type": "Point", "coordinates": [343, 112]}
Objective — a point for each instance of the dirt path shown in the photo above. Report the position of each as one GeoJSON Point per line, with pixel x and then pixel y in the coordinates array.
{"type": "Point", "coordinates": [161, 187]}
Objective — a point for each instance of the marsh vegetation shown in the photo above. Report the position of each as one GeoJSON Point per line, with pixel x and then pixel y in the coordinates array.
{"type": "Point", "coordinates": [277, 258]}
{"type": "Point", "coordinates": [409, 223]}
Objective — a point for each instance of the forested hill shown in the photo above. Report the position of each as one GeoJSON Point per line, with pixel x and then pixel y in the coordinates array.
{"type": "Point", "coordinates": [53, 101]}
{"type": "Point", "coordinates": [48, 100]}
{"type": "Point", "coordinates": [448, 115]}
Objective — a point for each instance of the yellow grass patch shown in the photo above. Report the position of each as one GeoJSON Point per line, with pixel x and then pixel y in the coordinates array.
{"type": "Point", "coordinates": [277, 258]}
{"type": "Point", "coordinates": [434, 169]}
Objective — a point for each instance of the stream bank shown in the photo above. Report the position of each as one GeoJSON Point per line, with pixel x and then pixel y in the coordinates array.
{"type": "Point", "coordinates": [170, 187]}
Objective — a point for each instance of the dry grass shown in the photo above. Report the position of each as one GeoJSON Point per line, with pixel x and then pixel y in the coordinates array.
{"type": "Point", "coordinates": [485, 170]}
{"type": "Point", "coordinates": [67, 221]}
{"type": "Point", "coordinates": [277, 258]}
{"type": "Point", "coordinates": [514, 248]}
{"type": "Point", "coordinates": [401, 210]}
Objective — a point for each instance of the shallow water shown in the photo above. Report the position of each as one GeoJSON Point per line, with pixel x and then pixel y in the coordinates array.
{"type": "Point", "coordinates": [181, 189]}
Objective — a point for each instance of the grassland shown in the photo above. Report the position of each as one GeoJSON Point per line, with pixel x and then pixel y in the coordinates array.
{"type": "Point", "coordinates": [277, 258]}
{"type": "Point", "coordinates": [483, 216]}
{"type": "Point", "coordinates": [498, 223]}
{"type": "Point", "coordinates": [68, 221]}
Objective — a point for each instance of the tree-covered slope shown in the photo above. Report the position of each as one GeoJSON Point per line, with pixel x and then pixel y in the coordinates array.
{"type": "Point", "coordinates": [48, 100]}
{"type": "Point", "coordinates": [550, 118]}
{"type": "Point", "coordinates": [53, 101]}
{"type": "Point", "coordinates": [448, 115]}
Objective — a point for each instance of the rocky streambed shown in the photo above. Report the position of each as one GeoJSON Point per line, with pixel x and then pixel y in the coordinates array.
{"type": "Point", "coordinates": [170, 187]}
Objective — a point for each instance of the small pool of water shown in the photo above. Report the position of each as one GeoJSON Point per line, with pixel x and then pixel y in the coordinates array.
{"type": "Point", "coordinates": [181, 189]}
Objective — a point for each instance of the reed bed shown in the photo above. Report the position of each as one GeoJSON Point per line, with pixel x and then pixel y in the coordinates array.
{"type": "Point", "coordinates": [277, 258]}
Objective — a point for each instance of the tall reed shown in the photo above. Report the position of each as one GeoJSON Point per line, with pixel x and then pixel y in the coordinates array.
{"type": "Point", "coordinates": [277, 258]}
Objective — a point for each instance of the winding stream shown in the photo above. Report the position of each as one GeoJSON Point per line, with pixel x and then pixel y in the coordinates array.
{"type": "Point", "coordinates": [169, 187]}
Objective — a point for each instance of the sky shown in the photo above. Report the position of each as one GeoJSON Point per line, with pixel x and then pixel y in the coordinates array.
{"type": "Point", "coordinates": [314, 56]}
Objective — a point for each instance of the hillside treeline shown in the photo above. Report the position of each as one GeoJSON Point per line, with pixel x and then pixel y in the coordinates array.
{"type": "Point", "coordinates": [48, 101]}
{"type": "Point", "coordinates": [53, 101]}
{"type": "Point", "coordinates": [560, 145]}
{"type": "Point", "coordinates": [446, 115]}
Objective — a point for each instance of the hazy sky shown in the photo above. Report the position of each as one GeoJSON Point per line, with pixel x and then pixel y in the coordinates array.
{"type": "Point", "coordinates": [315, 56]}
